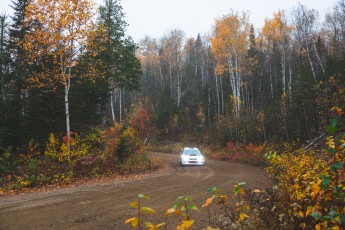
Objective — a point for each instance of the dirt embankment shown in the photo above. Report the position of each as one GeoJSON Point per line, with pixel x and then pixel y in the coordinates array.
{"type": "Point", "coordinates": [106, 205]}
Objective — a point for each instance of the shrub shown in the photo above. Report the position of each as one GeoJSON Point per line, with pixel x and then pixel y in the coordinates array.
{"type": "Point", "coordinates": [312, 183]}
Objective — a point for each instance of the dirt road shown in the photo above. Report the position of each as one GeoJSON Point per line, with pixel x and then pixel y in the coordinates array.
{"type": "Point", "coordinates": [106, 205]}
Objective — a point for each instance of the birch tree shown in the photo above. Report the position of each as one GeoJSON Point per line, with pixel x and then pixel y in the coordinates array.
{"type": "Point", "coordinates": [229, 46]}
{"type": "Point", "coordinates": [335, 23]}
{"type": "Point", "coordinates": [172, 45]}
{"type": "Point", "coordinates": [305, 24]}
{"type": "Point", "coordinates": [58, 30]}
{"type": "Point", "coordinates": [276, 30]}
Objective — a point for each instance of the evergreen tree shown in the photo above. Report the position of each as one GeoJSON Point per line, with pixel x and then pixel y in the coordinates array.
{"type": "Point", "coordinates": [15, 105]}
{"type": "Point", "coordinates": [4, 78]}
{"type": "Point", "coordinates": [115, 53]}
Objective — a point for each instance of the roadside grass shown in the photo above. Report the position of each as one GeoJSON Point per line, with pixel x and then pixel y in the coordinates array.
{"type": "Point", "coordinates": [117, 150]}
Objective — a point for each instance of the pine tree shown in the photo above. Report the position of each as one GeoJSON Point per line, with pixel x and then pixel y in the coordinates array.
{"type": "Point", "coordinates": [115, 53]}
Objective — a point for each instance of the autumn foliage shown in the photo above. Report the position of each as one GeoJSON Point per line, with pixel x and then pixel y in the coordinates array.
{"type": "Point", "coordinates": [311, 183]}
{"type": "Point", "coordinates": [117, 150]}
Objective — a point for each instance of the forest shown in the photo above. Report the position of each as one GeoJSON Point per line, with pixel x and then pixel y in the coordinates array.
{"type": "Point", "coordinates": [239, 84]}
{"type": "Point", "coordinates": [81, 99]}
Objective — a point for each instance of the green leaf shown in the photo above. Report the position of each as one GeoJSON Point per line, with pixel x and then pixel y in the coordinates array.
{"type": "Point", "coordinates": [334, 122]}
{"type": "Point", "coordinates": [316, 215]}
{"type": "Point", "coordinates": [338, 138]}
{"type": "Point", "coordinates": [212, 189]}
{"type": "Point", "coordinates": [331, 150]}
{"type": "Point", "coordinates": [328, 218]}
{"type": "Point", "coordinates": [237, 190]}
{"type": "Point", "coordinates": [193, 207]}
{"type": "Point", "coordinates": [332, 129]}
{"type": "Point", "coordinates": [141, 196]}
{"type": "Point", "coordinates": [175, 206]}
{"type": "Point", "coordinates": [342, 218]}
{"type": "Point", "coordinates": [184, 198]}
{"type": "Point", "coordinates": [336, 166]}
{"type": "Point", "coordinates": [332, 212]}
{"type": "Point", "coordinates": [326, 181]}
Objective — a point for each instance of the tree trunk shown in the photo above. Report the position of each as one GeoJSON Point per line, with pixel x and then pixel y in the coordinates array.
{"type": "Point", "coordinates": [310, 62]}
{"type": "Point", "coordinates": [218, 100]}
{"type": "Point", "coordinates": [120, 104]}
{"type": "Point", "coordinates": [2, 38]}
{"type": "Point", "coordinates": [112, 105]}
{"type": "Point", "coordinates": [68, 128]}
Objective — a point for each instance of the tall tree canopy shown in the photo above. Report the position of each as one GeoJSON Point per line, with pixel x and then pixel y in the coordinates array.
{"type": "Point", "coordinates": [57, 32]}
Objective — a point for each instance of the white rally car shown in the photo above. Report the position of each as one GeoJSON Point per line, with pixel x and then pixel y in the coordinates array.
{"type": "Point", "coordinates": [191, 156]}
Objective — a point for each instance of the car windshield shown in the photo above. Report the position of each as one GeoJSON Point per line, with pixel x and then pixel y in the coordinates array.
{"type": "Point", "coordinates": [191, 152]}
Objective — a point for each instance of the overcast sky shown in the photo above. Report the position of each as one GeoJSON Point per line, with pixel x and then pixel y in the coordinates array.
{"type": "Point", "coordinates": [157, 17]}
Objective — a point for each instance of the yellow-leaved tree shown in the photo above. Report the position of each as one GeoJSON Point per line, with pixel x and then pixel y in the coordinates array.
{"type": "Point", "coordinates": [57, 32]}
{"type": "Point", "coordinates": [229, 45]}
{"type": "Point", "coordinates": [276, 31]}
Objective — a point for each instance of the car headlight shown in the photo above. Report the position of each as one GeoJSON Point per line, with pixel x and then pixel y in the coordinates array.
{"type": "Point", "coordinates": [184, 158]}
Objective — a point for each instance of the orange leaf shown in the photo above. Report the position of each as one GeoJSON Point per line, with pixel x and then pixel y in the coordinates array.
{"type": "Point", "coordinates": [207, 202]}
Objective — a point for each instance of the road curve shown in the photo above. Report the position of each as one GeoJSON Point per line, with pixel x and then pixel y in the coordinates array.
{"type": "Point", "coordinates": [106, 205]}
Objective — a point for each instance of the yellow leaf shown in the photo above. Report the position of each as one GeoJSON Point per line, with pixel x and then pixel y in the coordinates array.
{"type": "Point", "coordinates": [148, 224]}
{"type": "Point", "coordinates": [308, 210]}
{"type": "Point", "coordinates": [224, 198]}
{"type": "Point", "coordinates": [315, 188]}
{"type": "Point", "coordinates": [210, 228]}
{"type": "Point", "coordinates": [188, 223]}
{"type": "Point", "coordinates": [134, 204]}
{"type": "Point", "coordinates": [242, 216]}
{"type": "Point", "coordinates": [134, 221]}
{"type": "Point", "coordinates": [317, 226]}
{"type": "Point", "coordinates": [178, 212]}
{"type": "Point", "coordinates": [207, 202]}
{"type": "Point", "coordinates": [148, 210]}
{"type": "Point", "coordinates": [154, 227]}
{"type": "Point", "coordinates": [300, 214]}
{"type": "Point", "coordinates": [300, 196]}
{"type": "Point", "coordinates": [170, 211]}
{"type": "Point", "coordinates": [335, 228]}
{"type": "Point", "coordinates": [160, 225]}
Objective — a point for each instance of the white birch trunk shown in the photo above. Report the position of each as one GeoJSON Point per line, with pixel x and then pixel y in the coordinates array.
{"type": "Point", "coordinates": [171, 80]}
{"type": "Point", "coordinates": [238, 86]}
{"type": "Point", "coordinates": [283, 69]}
{"type": "Point", "coordinates": [67, 87]}
{"type": "Point", "coordinates": [112, 105]}
{"type": "Point", "coordinates": [178, 90]}
{"type": "Point", "coordinates": [222, 93]}
{"type": "Point", "coordinates": [310, 61]}
{"type": "Point", "coordinates": [120, 104]}
{"type": "Point", "coordinates": [217, 93]}
{"type": "Point", "coordinates": [318, 58]}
